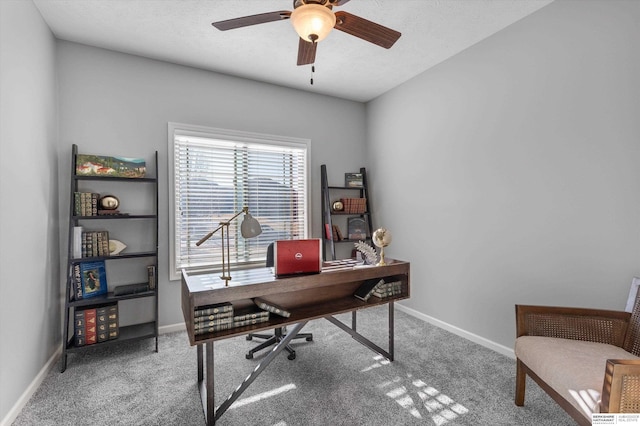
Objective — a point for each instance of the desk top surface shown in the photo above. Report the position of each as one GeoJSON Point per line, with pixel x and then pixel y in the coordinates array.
{"type": "Point", "coordinates": [208, 281]}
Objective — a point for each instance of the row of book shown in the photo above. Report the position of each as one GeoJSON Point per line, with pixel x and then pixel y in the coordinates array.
{"type": "Point", "coordinates": [88, 204]}
{"type": "Point", "coordinates": [224, 316]}
{"type": "Point", "coordinates": [96, 325]}
{"type": "Point", "coordinates": [90, 243]}
{"type": "Point", "coordinates": [387, 289]}
{"type": "Point", "coordinates": [354, 205]}
{"type": "Point", "coordinates": [337, 233]}
{"type": "Point", "coordinates": [378, 288]}
{"type": "Point", "coordinates": [89, 279]}
{"type": "Point", "coordinates": [85, 203]}
{"type": "Point", "coordinates": [95, 244]}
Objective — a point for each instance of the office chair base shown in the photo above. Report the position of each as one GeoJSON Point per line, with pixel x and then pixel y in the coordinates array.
{"type": "Point", "coordinates": [274, 339]}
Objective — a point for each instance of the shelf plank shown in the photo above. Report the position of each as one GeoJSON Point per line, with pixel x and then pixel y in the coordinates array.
{"type": "Point", "coordinates": [116, 216]}
{"type": "Point", "coordinates": [115, 178]}
{"type": "Point", "coordinates": [321, 310]}
{"type": "Point", "coordinates": [110, 297]}
{"type": "Point", "coordinates": [115, 257]}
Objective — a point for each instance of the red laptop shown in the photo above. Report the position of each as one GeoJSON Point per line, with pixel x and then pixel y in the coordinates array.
{"type": "Point", "coordinates": [297, 257]}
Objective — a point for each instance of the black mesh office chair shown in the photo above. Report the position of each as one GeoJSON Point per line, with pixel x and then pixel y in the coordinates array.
{"type": "Point", "coordinates": [280, 332]}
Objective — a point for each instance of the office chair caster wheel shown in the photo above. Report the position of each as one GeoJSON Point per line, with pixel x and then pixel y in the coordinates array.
{"type": "Point", "coordinates": [309, 339]}
{"type": "Point", "coordinates": [249, 356]}
{"type": "Point", "coordinates": [292, 356]}
{"type": "Point", "coordinates": [249, 337]}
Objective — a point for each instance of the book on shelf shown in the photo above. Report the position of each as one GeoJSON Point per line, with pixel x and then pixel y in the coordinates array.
{"type": "Point", "coordinates": [213, 317]}
{"type": "Point", "coordinates": [250, 321]}
{"type": "Point", "coordinates": [226, 324]}
{"type": "Point", "coordinates": [77, 242]}
{"type": "Point", "coordinates": [214, 328]}
{"type": "Point", "coordinates": [271, 307]}
{"type": "Point", "coordinates": [79, 328]}
{"type": "Point", "coordinates": [213, 309]}
{"type": "Point", "coordinates": [76, 282]}
{"type": "Point", "coordinates": [337, 233]}
{"type": "Point", "coordinates": [94, 279]}
{"type": "Point", "coordinates": [199, 325]}
{"type": "Point", "coordinates": [367, 288]}
{"type": "Point", "coordinates": [151, 273]}
{"type": "Point", "coordinates": [388, 289]}
{"type": "Point", "coordinates": [247, 310]}
{"type": "Point", "coordinates": [101, 324]}
{"type": "Point", "coordinates": [113, 327]}
{"type": "Point", "coordinates": [91, 335]}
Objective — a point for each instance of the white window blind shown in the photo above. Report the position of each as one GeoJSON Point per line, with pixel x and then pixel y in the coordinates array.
{"type": "Point", "coordinates": [216, 174]}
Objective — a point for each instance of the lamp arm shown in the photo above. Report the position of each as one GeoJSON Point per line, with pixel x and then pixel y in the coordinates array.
{"type": "Point", "coordinates": [222, 224]}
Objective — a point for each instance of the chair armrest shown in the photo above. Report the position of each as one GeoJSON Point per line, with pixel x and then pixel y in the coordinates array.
{"type": "Point", "coordinates": [621, 388]}
{"type": "Point", "coordinates": [593, 325]}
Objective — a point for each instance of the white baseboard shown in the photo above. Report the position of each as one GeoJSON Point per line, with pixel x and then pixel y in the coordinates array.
{"type": "Point", "coordinates": [31, 389]}
{"type": "Point", "coordinates": [51, 363]}
{"type": "Point", "coordinates": [501, 349]}
{"type": "Point", "coordinates": [171, 328]}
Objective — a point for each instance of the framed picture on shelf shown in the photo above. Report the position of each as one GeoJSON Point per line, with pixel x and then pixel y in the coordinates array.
{"type": "Point", "coordinates": [98, 165]}
{"type": "Point", "coordinates": [356, 228]}
{"type": "Point", "coordinates": [94, 279]}
{"type": "Point", "coordinates": [353, 180]}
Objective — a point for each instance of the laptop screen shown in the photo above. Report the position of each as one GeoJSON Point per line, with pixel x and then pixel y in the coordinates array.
{"type": "Point", "coordinates": [297, 256]}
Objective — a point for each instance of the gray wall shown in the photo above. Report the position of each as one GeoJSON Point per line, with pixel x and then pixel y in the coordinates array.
{"type": "Point", "coordinates": [507, 174]}
{"type": "Point", "coordinates": [517, 181]}
{"type": "Point", "coordinates": [112, 103]}
{"type": "Point", "coordinates": [30, 300]}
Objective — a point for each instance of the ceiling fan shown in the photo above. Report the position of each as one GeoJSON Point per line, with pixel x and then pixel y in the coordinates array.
{"type": "Point", "coordinates": [313, 20]}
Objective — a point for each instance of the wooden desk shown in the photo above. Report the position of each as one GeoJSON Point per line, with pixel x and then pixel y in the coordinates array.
{"type": "Point", "coordinates": [307, 297]}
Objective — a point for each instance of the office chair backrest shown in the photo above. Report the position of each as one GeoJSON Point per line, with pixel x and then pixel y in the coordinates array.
{"type": "Point", "coordinates": [270, 256]}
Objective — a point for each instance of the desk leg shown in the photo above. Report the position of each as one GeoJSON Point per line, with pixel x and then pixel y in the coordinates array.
{"type": "Point", "coordinates": [391, 330]}
{"type": "Point", "coordinates": [205, 384]}
{"type": "Point", "coordinates": [199, 352]}
{"type": "Point", "coordinates": [366, 342]}
{"type": "Point", "coordinates": [250, 378]}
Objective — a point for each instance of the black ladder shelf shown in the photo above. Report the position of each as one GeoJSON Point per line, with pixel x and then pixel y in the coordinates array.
{"type": "Point", "coordinates": [331, 217]}
{"type": "Point", "coordinates": [145, 224]}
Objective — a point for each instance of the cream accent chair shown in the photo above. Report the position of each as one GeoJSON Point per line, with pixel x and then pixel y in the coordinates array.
{"type": "Point", "coordinates": [587, 360]}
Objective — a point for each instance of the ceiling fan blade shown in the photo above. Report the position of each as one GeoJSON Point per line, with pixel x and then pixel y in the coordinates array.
{"type": "Point", "coordinates": [246, 21]}
{"type": "Point", "coordinates": [306, 52]}
{"type": "Point", "coordinates": [366, 30]}
{"type": "Point", "coordinates": [338, 2]}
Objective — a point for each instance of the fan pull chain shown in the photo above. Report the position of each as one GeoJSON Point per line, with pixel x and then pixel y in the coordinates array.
{"type": "Point", "coordinates": [313, 69]}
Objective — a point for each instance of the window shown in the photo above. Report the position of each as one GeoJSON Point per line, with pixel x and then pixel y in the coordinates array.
{"type": "Point", "coordinates": [214, 173]}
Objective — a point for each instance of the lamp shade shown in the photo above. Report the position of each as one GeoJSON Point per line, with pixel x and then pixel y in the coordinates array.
{"type": "Point", "coordinates": [313, 22]}
{"type": "Point", "coordinates": [250, 227]}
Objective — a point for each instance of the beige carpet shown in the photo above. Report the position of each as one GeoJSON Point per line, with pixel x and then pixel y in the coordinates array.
{"type": "Point", "coordinates": [437, 379]}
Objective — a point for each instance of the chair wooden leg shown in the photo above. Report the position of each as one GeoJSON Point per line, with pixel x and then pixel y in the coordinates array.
{"type": "Point", "coordinates": [521, 380]}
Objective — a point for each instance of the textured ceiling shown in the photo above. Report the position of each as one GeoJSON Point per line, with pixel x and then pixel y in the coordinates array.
{"type": "Point", "coordinates": [180, 31]}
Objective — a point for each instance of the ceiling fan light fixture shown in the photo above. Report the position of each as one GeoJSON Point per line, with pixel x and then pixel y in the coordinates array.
{"type": "Point", "coordinates": [313, 22]}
